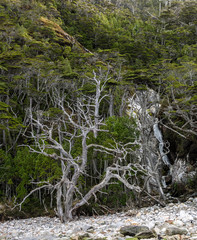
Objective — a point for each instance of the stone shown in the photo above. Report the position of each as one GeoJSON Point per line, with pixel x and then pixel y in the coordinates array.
{"type": "Point", "coordinates": [193, 238]}
{"type": "Point", "coordinates": [138, 214]}
{"type": "Point", "coordinates": [172, 230]}
{"type": "Point", "coordinates": [150, 225]}
{"type": "Point", "coordinates": [31, 238]}
{"type": "Point", "coordinates": [3, 237]}
{"type": "Point", "coordinates": [83, 236]}
{"type": "Point", "coordinates": [104, 238]}
{"type": "Point", "coordinates": [132, 212]}
{"type": "Point", "coordinates": [157, 230]}
{"type": "Point", "coordinates": [176, 237]}
{"type": "Point", "coordinates": [80, 236]}
{"type": "Point", "coordinates": [133, 238]}
{"type": "Point", "coordinates": [171, 204]}
{"type": "Point", "coordinates": [47, 237]}
{"type": "Point", "coordinates": [133, 230]}
{"type": "Point", "coordinates": [64, 238]}
{"type": "Point", "coordinates": [107, 226]}
{"type": "Point", "coordinates": [178, 223]}
{"type": "Point", "coordinates": [87, 228]}
{"type": "Point", "coordinates": [185, 217]}
{"type": "Point", "coordinates": [77, 229]}
{"type": "Point", "coordinates": [145, 235]}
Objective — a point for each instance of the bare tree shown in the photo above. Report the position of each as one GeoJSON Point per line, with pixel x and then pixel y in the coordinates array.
{"type": "Point", "coordinates": [144, 106]}
{"type": "Point", "coordinates": [56, 139]}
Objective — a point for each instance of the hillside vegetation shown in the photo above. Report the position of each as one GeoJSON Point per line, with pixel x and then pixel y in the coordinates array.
{"type": "Point", "coordinates": [68, 69]}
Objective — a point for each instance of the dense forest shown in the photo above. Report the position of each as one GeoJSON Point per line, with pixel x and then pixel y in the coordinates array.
{"type": "Point", "coordinates": [98, 104]}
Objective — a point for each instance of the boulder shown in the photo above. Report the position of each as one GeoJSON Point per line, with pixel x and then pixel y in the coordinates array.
{"type": "Point", "coordinates": [172, 230]}
{"type": "Point", "coordinates": [133, 230]}
{"type": "Point", "coordinates": [133, 238]}
{"type": "Point", "coordinates": [175, 237]}
{"type": "Point", "coordinates": [145, 235]}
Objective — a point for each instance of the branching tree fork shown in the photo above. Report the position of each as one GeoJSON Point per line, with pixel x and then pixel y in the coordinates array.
{"type": "Point", "coordinates": [77, 121]}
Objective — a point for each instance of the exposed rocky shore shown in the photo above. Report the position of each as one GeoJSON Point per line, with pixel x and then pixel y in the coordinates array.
{"type": "Point", "coordinates": [174, 222]}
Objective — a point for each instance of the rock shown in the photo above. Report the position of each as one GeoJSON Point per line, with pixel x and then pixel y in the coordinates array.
{"type": "Point", "coordinates": [133, 238]}
{"type": "Point", "coordinates": [159, 220]}
{"type": "Point", "coordinates": [83, 236]}
{"type": "Point", "coordinates": [171, 204]}
{"type": "Point", "coordinates": [3, 237]}
{"type": "Point", "coordinates": [150, 225]}
{"type": "Point", "coordinates": [64, 238]}
{"type": "Point", "coordinates": [88, 228]}
{"type": "Point", "coordinates": [138, 214]}
{"type": "Point", "coordinates": [172, 230]}
{"type": "Point", "coordinates": [47, 237]}
{"type": "Point", "coordinates": [77, 229]}
{"type": "Point", "coordinates": [157, 230]}
{"type": "Point", "coordinates": [30, 238]}
{"type": "Point", "coordinates": [185, 217]}
{"type": "Point", "coordinates": [133, 230]}
{"type": "Point", "coordinates": [169, 230]}
{"type": "Point", "coordinates": [132, 212]}
{"type": "Point", "coordinates": [178, 223]}
{"type": "Point", "coordinates": [80, 236]}
{"type": "Point", "coordinates": [100, 238]}
{"type": "Point", "coordinates": [145, 235]}
{"type": "Point", "coordinates": [193, 238]}
{"type": "Point", "coordinates": [176, 237]}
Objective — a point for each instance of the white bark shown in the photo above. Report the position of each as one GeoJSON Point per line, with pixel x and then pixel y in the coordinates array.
{"type": "Point", "coordinates": [145, 107]}
{"type": "Point", "coordinates": [54, 135]}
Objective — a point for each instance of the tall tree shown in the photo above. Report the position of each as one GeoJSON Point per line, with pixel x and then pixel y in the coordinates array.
{"type": "Point", "coordinates": [61, 134]}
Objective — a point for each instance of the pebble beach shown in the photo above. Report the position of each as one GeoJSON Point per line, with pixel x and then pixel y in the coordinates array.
{"type": "Point", "coordinates": [156, 218]}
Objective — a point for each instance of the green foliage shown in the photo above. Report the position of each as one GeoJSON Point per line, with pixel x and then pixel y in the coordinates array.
{"type": "Point", "coordinates": [122, 129]}
{"type": "Point", "coordinates": [7, 120]}
{"type": "Point", "coordinates": [38, 59]}
{"type": "Point", "coordinates": [25, 167]}
{"type": "Point", "coordinates": [115, 196]}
